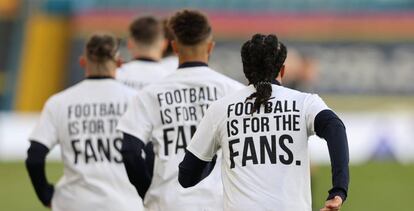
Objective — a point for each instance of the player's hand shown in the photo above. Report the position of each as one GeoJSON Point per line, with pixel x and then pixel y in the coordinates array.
{"type": "Point", "coordinates": [333, 204]}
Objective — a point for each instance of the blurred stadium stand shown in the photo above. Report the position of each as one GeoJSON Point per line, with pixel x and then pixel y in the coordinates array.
{"type": "Point", "coordinates": [253, 5]}
{"type": "Point", "coordinates": [360, 47]}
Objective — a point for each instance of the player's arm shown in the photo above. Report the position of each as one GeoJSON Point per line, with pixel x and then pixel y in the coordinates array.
{"type": "Point", "coordinates": [200, 157]}
{"type": "Point", "coordinates": [149, 158]}
{"type": "Point", "coordinates": [326, 124]}
{"type": "Point", "coordinates": [43, 138]}
{"type": "Point", "coordinates": [136, 127]}
{"type": "Point", "coordinates": [192, 169]}
{"type": "Point", "coordinates": [136, 166]}
{"type": "Point", "coordinates": [330, 127]}
{"type": "Point", "coordinates": [35, 165]}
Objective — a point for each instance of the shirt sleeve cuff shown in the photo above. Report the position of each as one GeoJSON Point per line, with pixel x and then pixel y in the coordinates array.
{"type": "Point", "coordinates": [41, 140]}
{"type": "Point", "coordinates": [198, 155]}
{"type": "Point", "coordinates": [337, 192]}
{"type": "Point", "coordinates": [133, 133]}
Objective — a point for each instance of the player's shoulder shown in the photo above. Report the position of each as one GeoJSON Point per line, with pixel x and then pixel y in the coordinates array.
{"type": "Point", "coordinates": [241, 94]}
{"type": "Point", "coordinates": [294, 93]}
{"type": "Point", "coordinates": [218, 75]}
{"type": "Point", "coordinates": [128, 66]}
{"type": "Point", "coordinates": [141, 65]}
{"type": "Point", "coordinates": [230, 83]}
{"type": "Point", "coordinates": [122, 88]}
{"type": "Point", "coordinates": [170, 62]}
{"type": "Point", "coordinates": [138, 70]}
{"type": "Point", "coordinates": [217, 111]}
{"type": "Point", "coordinates": [236, 96]}
{"type": "Point", "coordinates": [210, 75]}
{"type": "Point", "coordinates": [147, 93]}
{"type": "Point", "coordinates": [55, 100]}
{"type": "Point", "coordinates": [125, 68]}
{"type": "Point", "coordinates": [306, 97]}
{"type": "Point", "coordinates": [62, 95]}
{"type": "Point", "coordinates": [66, 95]}
{"type": "Point", "coordinates": [85, 87]}
{"type": "Point", "coordinates": [150, 91]}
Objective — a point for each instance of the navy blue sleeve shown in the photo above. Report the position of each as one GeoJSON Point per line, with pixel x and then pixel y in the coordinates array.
{"type": "Point", "coordinates": [35, 165]}
{"type": "Point", "coordinates": [330, 127]}
{"type": "Point", "coordinates": [192, 170]}
{"type": "Point", "coordinates": [149, 158]}
{"type": "Point", "coordinates": [135, 165]}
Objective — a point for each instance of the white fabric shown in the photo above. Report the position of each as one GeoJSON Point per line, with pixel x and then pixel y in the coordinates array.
{"type": "Point", "coordinates": [137, 73]}
{"type": "Point", "coordinates": [170, 63]}
{"type": "Point", "coordinates": [169, 112]}
{"type": "Point", "coordinates": [269, 178]}
{"type": "Point", "coordinates": [82, 120]}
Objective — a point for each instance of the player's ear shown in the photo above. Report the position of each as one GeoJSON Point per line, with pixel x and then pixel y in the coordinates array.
{"type": "Point", "coordinates": [118, 61]}
{"type": "Point", "coordinates": [210, 47]}
{"type": "Point", "coordinates": [165, 45]}
{"type": "Point", "coordinates": [82, 62]}
{"type": "Point", "coordinates": [130, 43]}
{"type": "Point", "coordinates": [174, 46]}
{"type": "Point", "coordinates": [282, 71]}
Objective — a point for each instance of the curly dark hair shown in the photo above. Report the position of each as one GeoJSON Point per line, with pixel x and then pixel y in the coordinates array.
{"type": "Point", "coordinates": [146, 29]}
{"type": "Point", "coordinates": [101, 47]}
{"type": "Point", "coordinates": [263, 57]}
{"type": "Point", "coordinates": [190, 27]}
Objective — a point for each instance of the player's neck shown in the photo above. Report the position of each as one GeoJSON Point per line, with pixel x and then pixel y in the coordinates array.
{"type": "Point", "coordinates": [100, 74]}
{"type": "Point", "coordinates": [100, 77]}
{"type": "Point", "coordinates": [188, 59]}
{"type": "Point", "coordinates": [148, 54]}
{"type": "Point", "coordinates": [277, 81]}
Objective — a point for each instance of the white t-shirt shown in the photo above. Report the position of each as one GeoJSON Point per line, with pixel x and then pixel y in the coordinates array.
{"type": "Point", "coordinates": [169, 111]}
{"type": "Point", "coordinates": [170, 63]}
{"type": "Point", "coordinates": [82, 120]}
{"type": "Point", "coordinates": [138, 73]}
{"type": "Point", "coordinates": [265, 160]}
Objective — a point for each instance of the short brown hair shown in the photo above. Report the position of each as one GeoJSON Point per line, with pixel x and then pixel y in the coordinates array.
{"type": "Point", "coordinates": [146, 30]}
{"type": "Point", "coordinates": [101, 48]}
{"type": "Point", "coordinates": [190, 27]}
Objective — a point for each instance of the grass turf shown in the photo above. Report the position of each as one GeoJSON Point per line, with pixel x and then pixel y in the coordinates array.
{"type": "Point", "coordinates": [374, 187]}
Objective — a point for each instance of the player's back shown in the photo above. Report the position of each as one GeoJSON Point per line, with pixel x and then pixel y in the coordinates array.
{"type": "Point", "coordinates": [140, 73]}
{"type": "Point", "coordinates": [176, 105]}
{"type": "Point", "coordinates": [170, 63]}
{"type": "Point", "coordinates": [85, 118]}
{"type": "Point", "coordinates": [265, 155]}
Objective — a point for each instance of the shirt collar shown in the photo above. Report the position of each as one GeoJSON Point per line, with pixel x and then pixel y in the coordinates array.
{"type": "Point", "coordinates": [276, 82]}
{"type": "Point", "coordinates": [99, 77]}
{"type": "Point", "coordinates": [192, 64]}
{"type": "Point", "coordinates": [145, 59]}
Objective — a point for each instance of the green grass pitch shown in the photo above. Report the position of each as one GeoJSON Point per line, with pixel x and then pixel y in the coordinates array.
{"type": "Point", "coordinates": [374, 187]}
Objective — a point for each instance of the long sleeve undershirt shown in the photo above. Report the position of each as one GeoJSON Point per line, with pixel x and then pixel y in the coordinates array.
{"type": "Point", "coordinates": [330, 127]}
{"type": "Point", "coordinates": [327, 126]}
{"type": "Point", "coordinates": [192, 170]}
{"type": "Point", "coordinates": [35, 165]}
{"type": "Point", "coordinates": [139, 170]}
